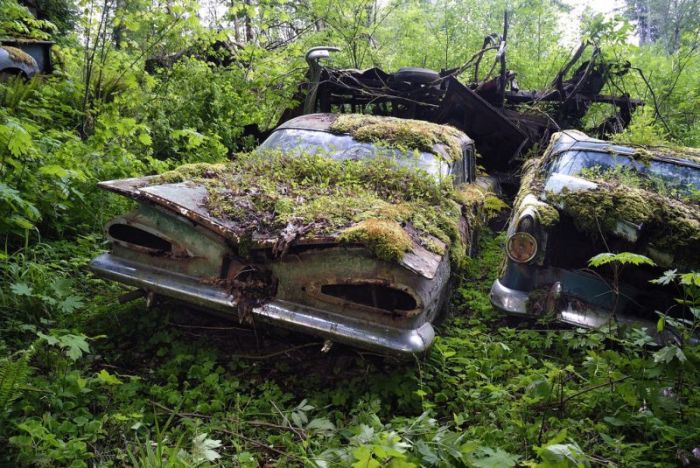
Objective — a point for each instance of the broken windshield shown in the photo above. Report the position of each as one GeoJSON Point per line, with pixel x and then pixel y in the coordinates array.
{"type": "Point", "coordinates": [665, 178]}
{"type": "Point", "coordinates": [341, 147]}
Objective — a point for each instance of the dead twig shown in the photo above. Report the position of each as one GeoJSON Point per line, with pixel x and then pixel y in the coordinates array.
{"type": "Point", "coordinates": [301, 435]}
{"type": "Point", "coordinates": [277, 353]}
{"type": "Point", "coordinates": [656, 104]}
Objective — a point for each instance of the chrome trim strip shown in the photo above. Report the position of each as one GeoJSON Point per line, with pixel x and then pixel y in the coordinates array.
{"type": "Point", "coordinates": [281, 313]}
{"type": "Point", "coordinates": [514, 301]}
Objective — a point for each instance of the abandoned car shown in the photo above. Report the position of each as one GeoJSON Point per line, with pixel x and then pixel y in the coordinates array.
{"type": "Point", "coordinates": [584, 197]}
{"type": "Point", "coordinates": [341, 226]}
{"type": "Point", "coordinates": [24, 57]}
{"type": "Point", "coordinates": [504, 121]}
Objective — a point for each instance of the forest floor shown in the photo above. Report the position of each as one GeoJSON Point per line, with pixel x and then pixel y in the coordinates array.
{"type": "Point", "coordinates": [167, 383]}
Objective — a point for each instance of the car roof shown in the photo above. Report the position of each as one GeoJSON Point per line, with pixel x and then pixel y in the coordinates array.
{"type": "Point", "coordinates": [574, 140]}
{"type": "Point", "coordinates": [322, 122]}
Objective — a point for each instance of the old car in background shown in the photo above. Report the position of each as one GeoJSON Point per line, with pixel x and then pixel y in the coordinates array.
{"type": "Point", "coordinates": [586, 196]}
{"type": "Point", "coordinates": [341, 226]}
{"type": "Point", "coordinates": [24, 57]}
{"type": "Point", "coordinates": [482, 99]}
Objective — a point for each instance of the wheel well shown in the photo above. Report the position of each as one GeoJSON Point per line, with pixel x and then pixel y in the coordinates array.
{"type": "Point", "coordinates": [9, 72]}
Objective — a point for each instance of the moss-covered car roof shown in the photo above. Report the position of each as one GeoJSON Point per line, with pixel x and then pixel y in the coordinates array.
{"type": "Point", "coordinates": [18, 55]}
{"type": "Point", "coordinates": [444, 141]}
{"type": "Point", "coordinates": [574, 140]}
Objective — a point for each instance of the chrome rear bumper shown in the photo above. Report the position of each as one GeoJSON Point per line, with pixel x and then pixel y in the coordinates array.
{"type": "Point", "coordinates": [281, 313]}
{"type": "Point", "coordinates": [513, 301]}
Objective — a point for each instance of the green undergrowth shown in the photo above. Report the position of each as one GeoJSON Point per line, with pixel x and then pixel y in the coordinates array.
{"type": "Point", "coordinates": [115, 385]}
{"type": "Point", "coordinates": [265, 192]}
{"type": "Point", "coordinates": [405, 134]}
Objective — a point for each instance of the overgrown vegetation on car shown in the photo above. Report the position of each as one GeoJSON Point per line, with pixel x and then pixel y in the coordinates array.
{"type": "Point", "coordinates": [87, 381]}
{"type": "Point", "coordinates": [365, 201]}
{"type": "Point", "coordinates": [403, 134]}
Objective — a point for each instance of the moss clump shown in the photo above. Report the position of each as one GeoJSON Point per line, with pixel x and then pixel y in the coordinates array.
{"type": "Point", "coordinates": [18, 55]}
{"type": "Point", "coordinates": [532, 184]}
{"type": "Point", "coordinates": [260, 193]}
{"type": "Point", "coordinates": [385, 238]}
{"type": "Point", "coordinates": [189, 171]}
{"type": "Point", "coordinates": [402, 133]}
{"type": "Point", "coordinates": [434, 245]}
{"type": "Point", "coordinates": [667, 223]}
{"type": "Point", "coordinates": [547, 215]}
{"type": "Point", "coordinates": [471, 193]}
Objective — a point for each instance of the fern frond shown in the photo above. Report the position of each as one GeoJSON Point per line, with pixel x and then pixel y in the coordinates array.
{"type": "Point", "coordinates": [13, 375]}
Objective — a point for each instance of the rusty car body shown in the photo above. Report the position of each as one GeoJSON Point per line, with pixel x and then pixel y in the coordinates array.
{"type": "Point", "coordinates": [584, 197]}
{"type": "Point", "coordinates": [504, 121]}
{"type": "Point", "coordinates": [172, 245]}
{"type": "Point", "coordinates": [25, 57]}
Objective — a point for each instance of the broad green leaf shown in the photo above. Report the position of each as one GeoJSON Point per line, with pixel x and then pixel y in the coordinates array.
{"type": "Point", "coordinates": [668, 353]}
{"type": "Point", "coordinates": [622, 258]}
{"type": "Point", "coordinates": [53, 169]}
{"type": "Point", "coordinates": [321, 426]}
{"type": "Point", "coordinates": [107, 378]}
{"type": "Point", "coordinates": [668, 277]}
{"type": "Point", "coordinates": [145, 139]}
{"type": "Point", "coordinates": [204, 449]}
{"type": "Point", "coordinates": [563, 456]}
{"type": "Point", "coordinates": [21, 289]}
{"type": "Point", "coordinates": [363, 458]}
{"type": "Point", "coordinates": [690, 279]}
{"type": "Point", "coordinates": [21, 222]}
{"type": "Point", "coordinates": [486, 457]}
{"type": "Point", "coordinates": [70, 304]}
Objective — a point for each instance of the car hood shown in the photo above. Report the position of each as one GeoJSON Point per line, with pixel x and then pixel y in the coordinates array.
{"type": "Point", "coordinates": [657, 225]}
{"type": "Point", "coordinates": [188, 199]}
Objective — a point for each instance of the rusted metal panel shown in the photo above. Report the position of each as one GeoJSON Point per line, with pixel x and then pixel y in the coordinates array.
{"type": "Point", "coordinates": [495, 135]}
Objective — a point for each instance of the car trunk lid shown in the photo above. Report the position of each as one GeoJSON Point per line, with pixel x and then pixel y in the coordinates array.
{"type": "Point", "coordinates": [188, 199]}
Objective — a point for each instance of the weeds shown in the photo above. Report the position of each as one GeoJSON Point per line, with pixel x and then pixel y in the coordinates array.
{"type": "Point", "coordinates": [155, 393]}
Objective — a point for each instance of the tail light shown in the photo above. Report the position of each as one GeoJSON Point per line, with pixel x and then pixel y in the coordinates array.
{"type": "Point", "coordinates": [376, 296]}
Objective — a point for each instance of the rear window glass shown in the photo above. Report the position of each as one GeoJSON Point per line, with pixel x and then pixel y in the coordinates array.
{"type": "Point", "coordinates": [341, 147]}
{"type": "Point", "coordinates": [669, 179]}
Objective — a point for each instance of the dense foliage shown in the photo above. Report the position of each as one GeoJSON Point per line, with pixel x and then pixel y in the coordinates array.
{"type": "Point", "coordinates": [141, 87]}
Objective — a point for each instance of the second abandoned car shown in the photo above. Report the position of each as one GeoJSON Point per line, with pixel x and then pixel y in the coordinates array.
{"type": "Point", "coordinates": [584, 197]}
{"type": "Point", "coordinates": [342, 226]}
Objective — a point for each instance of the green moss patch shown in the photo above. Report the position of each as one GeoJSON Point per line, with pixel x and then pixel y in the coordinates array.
{"type": "Point", "coordinates": [532, 183]}
{"type": "Point", "coordinates": [402, 133]}
{"type": "Point", "coordinates": [668, 224]}
{"type": "Point", "coordinates": [385, 238]}
{"type": "Point", "coordinates": [18, 55]}
{"type": "Point", "coordinates": [377, 203]}
{"type": "Point", "coordinates": [645, 153]}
